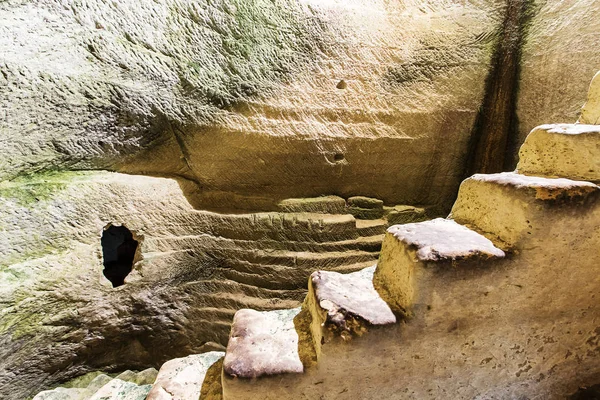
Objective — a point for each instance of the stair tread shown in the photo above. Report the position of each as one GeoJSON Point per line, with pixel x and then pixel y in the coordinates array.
{"type": "Point", "coordinates": [262, 344]}
{"type": "Point", "coordinates": [182, 378]}
{"type": "Point", "coordinates": [570, 129]}
{"type": "Point", "coordinates": [545, 188]}
{"type": "Point", "coordinates": [341, 294]}
{"type": "Point", "coordinates": [284, 278]}
{"type": "Point", "coordinates": [367, 223]}
{"type": "Point", "coordinates": [443, 239]}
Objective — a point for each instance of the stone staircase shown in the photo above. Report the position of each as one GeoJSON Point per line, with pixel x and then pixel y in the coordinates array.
{"type": "Point", "coordinates": [495, 216]}
{"type": "Point", "coordinates": [263, 260]}
{"type": "Point", "coordinates": [502, 293]}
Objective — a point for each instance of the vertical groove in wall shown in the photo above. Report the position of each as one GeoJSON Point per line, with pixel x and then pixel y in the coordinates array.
{"type": "Point", "coordinates": [496, 124]}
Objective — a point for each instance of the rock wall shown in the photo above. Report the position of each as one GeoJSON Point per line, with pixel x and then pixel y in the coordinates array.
{"type": "Point", "coordinates": [559, 59]}
{"type": "Point", "coordinates": [61, 317]}
{"type": "Point", "coordinates": [244, 103]}
{"type": "Point", "coordinates": [267, 100]}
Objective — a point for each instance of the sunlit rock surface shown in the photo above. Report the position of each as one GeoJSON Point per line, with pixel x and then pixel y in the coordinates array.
{"type": "Point", "coordinates": [242, 97]}
{"type": "Point", "coordinates": [191, 271]}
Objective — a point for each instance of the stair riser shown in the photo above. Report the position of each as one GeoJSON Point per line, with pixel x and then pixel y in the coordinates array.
{"type": "Point", "coordinates": [510, 217]}
{"type": "Point", "coordinates": [547, 152]}
{"type": "Point", "coordinates": [207, 243]}
{"type": "Point", "coordinates": [306, 261]}
{"type": "Point", "coordinates": [267, 226]}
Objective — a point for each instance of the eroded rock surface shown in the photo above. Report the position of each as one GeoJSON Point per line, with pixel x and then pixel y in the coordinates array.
{"type": "Point", "coordinates": [192, 270]}
{"type": "Point", "coordinates": [184, 378]}
{"type": "Point", "coordinates": [564, 150]}
{"type": "Point", "coordinates": [242, 99]}
{"type": "Point", "coordinates": [262, 344]}
{"type": "Point", "coordinates": [560, 35]}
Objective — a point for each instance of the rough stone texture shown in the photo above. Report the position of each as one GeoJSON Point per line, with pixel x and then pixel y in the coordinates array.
{"type": "Point", "coordinates": [183, 378]}
{"type": "Point", "coordinates": [325, 205]}
{"type": "Point", "coordinates": [404, 214]}
{"type": "Point", "coordinates": [365, 207]}
{"type": "Point", "coordinates": [261, 344]}
{"type": "Point", "coordinates": [561, 35]}
{"type": "Point", "coordinates": [444, 240]}
{"type": "Point", "coordinates": [145, 377]}
{"type": "Point", "coordinates": [117, 389]}
{"type": "Point", "coordinates": [365, 202]}
{"type": "Point", "coordinates": [128, 385]}
{"type": "Point", "coordinates": [343, 306]}
{"type": "Point", "coordinates": [242, 98]}
{"type": "Point", "coordinates": [590, 113]}
{"type": "Point", "coordinates": [508, 207]}
{"type": "Point", "coordinates": [97, 383]}
{"type": "Point", "coordinates": [519, 327]}
{"type": "Point", "coordinates": [60, 317]}
{"type": "Point", "coordinates": [562, 150]}
{"type": "Point", "coordinates": [63, 394]}
{"type": "Point", "coordinates": [407, 249]}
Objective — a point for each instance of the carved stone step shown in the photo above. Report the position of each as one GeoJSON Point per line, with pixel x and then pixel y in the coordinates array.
{"type": "Point", "coordinates": [262, 344]}
{"type": "Point", "coordinates": [508, 207]}
{"type": "Point", "coordinates": [306, 259]}
{"type": "Point", "coordinates": [371, 227]}
{"type": "Point", "coordinates": [562, 150]}
{"type": "Point", "coordinates": [342, 306]}
{"type": "Point", "coordinates": [411, 247]}
{"type": "Point", "coordinates": [324, 204]}
{"type": "Point", "coordinates": [189, 378]}
{"type": "Point", "coordinates": [278, 277]}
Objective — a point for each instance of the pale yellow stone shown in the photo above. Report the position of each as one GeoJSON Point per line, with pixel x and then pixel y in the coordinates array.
{"type": "Point", "coordinates": [510, 208]}
{"type": "Point", "coordinates": [590, 113]}
{"type": "Point", "coordinates": [563, 151]}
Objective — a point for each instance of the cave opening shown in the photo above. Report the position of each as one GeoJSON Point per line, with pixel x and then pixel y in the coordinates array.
{"type": "Point", "coordinates": [118, 253]}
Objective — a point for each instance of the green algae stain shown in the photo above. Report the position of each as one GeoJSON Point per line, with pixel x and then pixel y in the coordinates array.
{"type": "Point", "coordinates": [30, 189]}
{"type": "Point", "coordinates": [27, 197]}
{"type": "Point", "coordinates": [255, 45]}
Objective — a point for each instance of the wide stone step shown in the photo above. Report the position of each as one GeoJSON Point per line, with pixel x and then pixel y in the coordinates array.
{"type": "Point", "coordinates": [278, 277]}
{"type": "Point", "coordinates": [189, 378]}
{"type": "Point", "coordinates": [281, 344]}
{"type": "Point", "coordinates": [211, 243]}
{"type": "Point", "coordinates": [308, 259]}
{"type": "Point", "coordinates": [409, 249]}
{"type": "Point", "coordinates": [260, 226]}
{"type": "Point", "coordinates": [562, 150]}
{"type": "Point", "coordinates": [365, 208]}
{"type": "Point", "coordinates": [508, 207]}
{"type": "Point", "coordinates": [324, 204]}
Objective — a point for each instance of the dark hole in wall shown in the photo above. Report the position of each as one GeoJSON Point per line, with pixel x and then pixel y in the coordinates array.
{"type": "Point", "coordinates": [587, 393]}
{"type": "Point", "coordinates": [118, 253]}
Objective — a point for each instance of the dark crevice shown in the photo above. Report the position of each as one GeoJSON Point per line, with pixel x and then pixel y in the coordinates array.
{"type": "Point", "coordinates": [587, 393]}
{"type": "Point", "coordinates": [118, 253]}
{"type": "Point", "coordinates": [495, 131]}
